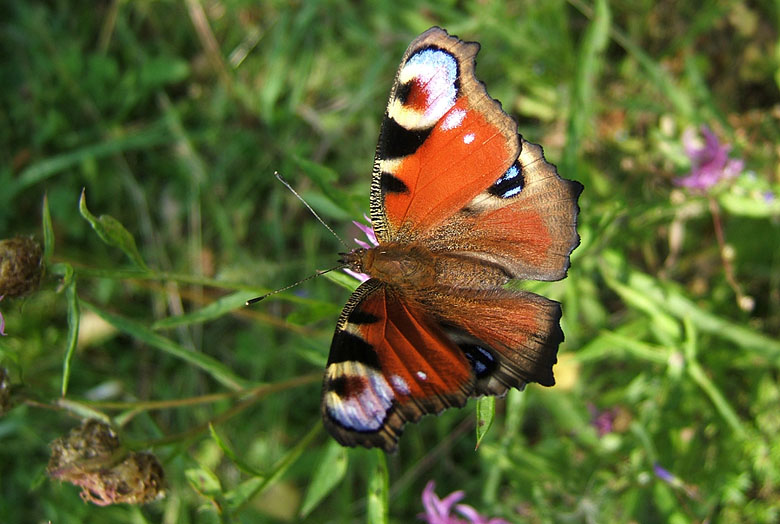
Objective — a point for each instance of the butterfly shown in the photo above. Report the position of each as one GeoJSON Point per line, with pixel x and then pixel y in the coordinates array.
{"type": "Point", "coordinates": [460, 204]}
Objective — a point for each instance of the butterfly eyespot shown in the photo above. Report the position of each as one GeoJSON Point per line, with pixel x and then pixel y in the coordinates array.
{"type": "Point", "coordinates": [347, 386]}
{"type": "Point", "coordinates": [482, 360]}
{"type": "Point", "coordinates": [510, 184]}
{"type": "Point", "coordinates": [404, 91]}
{"type": "Point", "coordinates": [435, 75]}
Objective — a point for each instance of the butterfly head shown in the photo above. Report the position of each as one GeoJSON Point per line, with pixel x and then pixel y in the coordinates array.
{"type": "Point", "coordinates": [357, 260]}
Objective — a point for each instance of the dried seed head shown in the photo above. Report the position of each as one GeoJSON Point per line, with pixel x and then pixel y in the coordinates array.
{"type": "Point", "coordinates": [92, 457]}
{"type": "Point", "coordinates": [21, 266]}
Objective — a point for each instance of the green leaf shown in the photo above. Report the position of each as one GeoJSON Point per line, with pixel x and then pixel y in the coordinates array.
{"type": "Point", "coordinates": [749, 205]}
{"type": "Point", "coordinates": [48, 232]}
{"type": "Point", "coordinates": [319, 173]}
{"type": "Point", "coordinates": [327, 475]}
{"type": "Point", "coordinates": [346, 281]}
{"type": "Point", "coordinates": [213, 367]}
{"type": "Point", "coordinates": [700, 377]}
{"type": "Point", "coordinates": [216, 309]}
{"type": "Point", "coordinates": [159, 71]}
{"type": "Point", "coordinates": [637, 297]}
{"type": "Point", "coordinates": [486, 412]}
{"type": "Point", "coordinates": [244, 492]}
{"type": "Point", "coordinates": [74, 316]}
{"type": "Point", "coordinates": [148, 137]}
{"type": "Point", "coordinates": [112, 232]}
{"type": "Point", "coordinates": [229, 453]}
{"type": "Point", "coordinates": [204, 481]}
{"type": "Point", "coordinates": [590, 65]}
{"type": "Point", "coordinates": [674, 302]}
{"type": "Point", "coordinates": [377, 510]}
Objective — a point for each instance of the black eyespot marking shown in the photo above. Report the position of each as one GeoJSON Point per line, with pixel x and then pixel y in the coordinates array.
{"type": "Point", "coordinates": [361, 317]}
{"type": "Point", "coordinates": [392, 184]}
{"type": "Point", "coordinates": [510, 184]}
{"type": "Point", "coordinates": [403, 91]}
{"type": "Point", "coordinates": [346, 386]}
{"type": "Point", "coordinates": [348, 347]}
{"type": "Point", "coordinates": [397, 142]}
{"type": "Point", "coordinates": [482, 360]}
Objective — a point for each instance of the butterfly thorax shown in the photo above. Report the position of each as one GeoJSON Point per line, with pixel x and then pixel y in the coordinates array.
{"type": "Point", "coordinates": [406, 266]}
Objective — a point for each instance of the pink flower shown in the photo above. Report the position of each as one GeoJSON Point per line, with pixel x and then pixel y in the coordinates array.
{"type": "Point", "coordinates": [372, 242]}
{"type": "Point", "coordinates": [710, 162]}
{"type": "Point", "coordinates": [437, 511]}
{"type": "Point", "coordinates": [2, 320]}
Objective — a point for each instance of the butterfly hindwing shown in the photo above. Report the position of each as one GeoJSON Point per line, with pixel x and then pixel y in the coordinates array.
{"type": "Point", "coordinates": [389, 363]}
{"type": "Point", "coordinates": [510, 337]}
{"type": "Point", "coordinates": [443, 140]}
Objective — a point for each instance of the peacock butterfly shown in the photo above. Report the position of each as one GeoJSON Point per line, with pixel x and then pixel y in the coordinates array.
{"type": "Point", "coordinates": [460, 205]}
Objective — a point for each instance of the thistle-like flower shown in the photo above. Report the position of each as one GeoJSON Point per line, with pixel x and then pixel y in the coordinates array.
{"type": "Point", "coordinates": [437, 511]}
{"type": "Point", "coordinates": [372, 242]}
{"type": "Point", "coordinates": [710, 162]}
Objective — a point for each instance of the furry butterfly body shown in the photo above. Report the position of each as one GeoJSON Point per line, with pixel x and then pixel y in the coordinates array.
{"type": "Point", "coordinates": [460, 205]}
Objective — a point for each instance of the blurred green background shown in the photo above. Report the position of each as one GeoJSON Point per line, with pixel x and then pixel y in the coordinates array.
{"type": "Point", "coordinates": [172, 116]}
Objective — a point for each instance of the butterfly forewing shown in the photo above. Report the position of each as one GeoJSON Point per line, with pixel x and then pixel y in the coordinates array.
{"type": "Point", "coordinates": [443, 140]}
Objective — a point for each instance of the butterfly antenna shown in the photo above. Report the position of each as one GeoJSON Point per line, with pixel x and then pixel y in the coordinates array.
{"type": "Point", "coordinates": [288, 186]}
{"type": "Point", "coordinates": [285, 288]}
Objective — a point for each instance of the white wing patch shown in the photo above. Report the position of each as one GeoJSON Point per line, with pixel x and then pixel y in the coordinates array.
{"type": "Point", "coordinates": [453, 119]}
{"type": "Point", "coordinates": [363, 410]}
{"type": "Point", "coordinates": [434, 74]}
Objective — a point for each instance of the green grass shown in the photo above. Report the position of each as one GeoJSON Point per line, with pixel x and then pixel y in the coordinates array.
{"type": "Point", "coordinates": [172, 117]}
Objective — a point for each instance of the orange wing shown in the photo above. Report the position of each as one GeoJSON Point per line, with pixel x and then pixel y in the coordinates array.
{"type": "Point", "coordinates": [443, 139]}
{"type": "Point", "coordinates": [525, 223]}
{"type": "Point", "coordinates": [390, 363]}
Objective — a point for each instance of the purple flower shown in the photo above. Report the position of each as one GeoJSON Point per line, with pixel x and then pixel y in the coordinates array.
{"type": "Point", "coordinates": [437, 511]}
{"type": "Point", "coordinates": [710, 162]}
{"type": "Point", "coordinates": [372, 242]}
{"type": "Point", "coordinates": [664, 474]}
{"type": "Point", "coordinates": [602, 420]}
{"type": "Point", "coordinates": [674, 481]}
